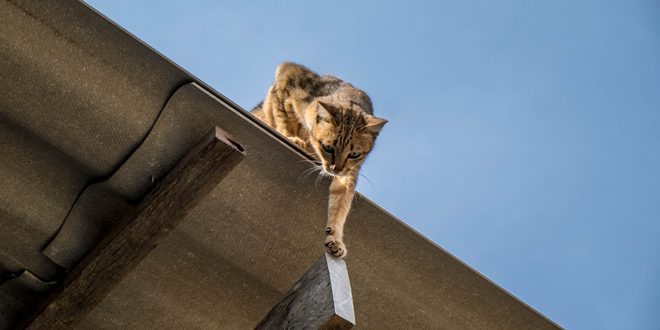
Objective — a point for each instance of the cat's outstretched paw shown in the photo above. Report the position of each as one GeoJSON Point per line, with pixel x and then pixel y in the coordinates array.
{"type": "Point", "coordinates": [298, 141]}
{"type": "Point", "coordinates": [335, 247]}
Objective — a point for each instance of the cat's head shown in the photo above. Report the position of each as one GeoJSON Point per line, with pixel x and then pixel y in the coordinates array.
{"type": "Point", "coordinates": [343, 137]}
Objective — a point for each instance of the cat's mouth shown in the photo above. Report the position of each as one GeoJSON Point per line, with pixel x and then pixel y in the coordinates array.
{"type": "Point", "coordinates": [330, 172]}
{"type": "Point", "coordinates": [334, 173]}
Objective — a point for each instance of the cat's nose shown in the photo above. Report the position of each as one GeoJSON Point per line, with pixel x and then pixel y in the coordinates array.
{"type": "Point", "coordinates": [335, 169]}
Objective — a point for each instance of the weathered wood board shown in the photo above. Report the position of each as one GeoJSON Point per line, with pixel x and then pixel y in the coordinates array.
{"type": "Point", "coordinates": [160, 211]}
{"type": "Point", "coordinates": [321, 299]}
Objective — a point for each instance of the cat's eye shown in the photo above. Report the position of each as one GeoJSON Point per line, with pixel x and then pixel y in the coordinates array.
{"type": "Point", "coordinates": [328, 148]}
{"type": "Point", "coordinates": [354, 155]}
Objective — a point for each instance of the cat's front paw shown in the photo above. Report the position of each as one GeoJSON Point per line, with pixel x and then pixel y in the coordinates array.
{"type": "Point", "coordinates": [298, 141]}
{"type": "Point", "coordinates": [335, 246]}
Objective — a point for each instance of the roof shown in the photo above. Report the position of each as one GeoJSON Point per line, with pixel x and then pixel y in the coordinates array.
{"type": "Point", "coordinates": [90, 115]}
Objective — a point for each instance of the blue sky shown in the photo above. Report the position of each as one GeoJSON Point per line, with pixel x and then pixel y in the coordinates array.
{"type": "Point", "coordinates": [524, 136]}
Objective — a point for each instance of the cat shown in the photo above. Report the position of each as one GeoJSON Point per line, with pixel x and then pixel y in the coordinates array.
{"type": "Point", "coordinates": [332, 121]}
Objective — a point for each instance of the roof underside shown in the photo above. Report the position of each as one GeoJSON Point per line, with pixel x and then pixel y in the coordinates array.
{"type": "Point", "coordinates": [89, 114]}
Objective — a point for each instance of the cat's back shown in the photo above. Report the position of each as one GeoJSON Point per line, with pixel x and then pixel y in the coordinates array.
{"type": "Point", "coordinates": [301, 82]}
{"type": "Point", "coordinates": [346, 94]}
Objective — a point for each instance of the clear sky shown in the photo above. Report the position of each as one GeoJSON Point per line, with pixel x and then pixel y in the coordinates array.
{"type": "Point", "coordinates": [524, 136]}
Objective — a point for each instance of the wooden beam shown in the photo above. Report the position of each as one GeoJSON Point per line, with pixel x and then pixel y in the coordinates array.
{"type": "Point", "coordinates": [321, 299]}
{"type": "Point", "coordinates": [140, 232]}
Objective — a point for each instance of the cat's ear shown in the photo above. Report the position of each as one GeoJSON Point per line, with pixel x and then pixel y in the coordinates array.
{"type": "Point", "coordinates": [374, 124]}
{"type": "Point", "coordinates": [323, 112]}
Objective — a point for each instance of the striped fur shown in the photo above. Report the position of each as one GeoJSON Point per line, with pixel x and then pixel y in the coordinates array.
{"type": "Point", "coordinates": [331, 120]}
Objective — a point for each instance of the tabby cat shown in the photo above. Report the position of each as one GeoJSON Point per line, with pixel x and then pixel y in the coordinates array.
{"type": "Point", "coordinates": [331, 120]}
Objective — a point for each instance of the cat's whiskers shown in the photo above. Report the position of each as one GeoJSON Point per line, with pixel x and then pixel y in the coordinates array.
{"type": "Point", "coordinates": [323, 173]}
{"type": "Point", "coordinates": [319, 177]}
{"type": "Point", "coordinates": [311, 170]}
{"type": "Point", "coordinates": [305, 174]}
{"type": "Point", "coordinates": [315, 166]}
{"type": "Point", "coordinates": [314, 161]}
{"type": "Point", "coordinates": [371, 183]}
